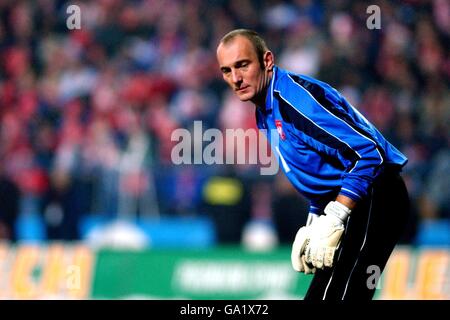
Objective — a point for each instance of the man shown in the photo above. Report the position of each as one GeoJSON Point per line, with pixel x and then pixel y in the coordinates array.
{"type": "Point", "coordinates": [334, 157]}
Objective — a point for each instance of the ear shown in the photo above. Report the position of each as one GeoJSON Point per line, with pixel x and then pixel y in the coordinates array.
{"type": "Point", "coordinates": [269, 60]}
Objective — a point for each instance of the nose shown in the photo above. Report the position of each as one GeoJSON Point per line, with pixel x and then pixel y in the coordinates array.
{"type": "Point", "coordinates": [236, 76]}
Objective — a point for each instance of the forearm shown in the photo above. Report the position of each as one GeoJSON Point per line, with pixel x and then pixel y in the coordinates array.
{"type": "Point", "coordinates": [346, 201]}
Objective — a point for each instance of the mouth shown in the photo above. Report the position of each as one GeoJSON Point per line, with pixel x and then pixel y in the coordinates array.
{"type": "Point", "coordinates": [241, 89]}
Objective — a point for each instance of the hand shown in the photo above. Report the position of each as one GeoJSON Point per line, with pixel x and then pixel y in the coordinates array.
{"type": "Point", "coordinates": [298, 248]}
{"type": "Point", "coordinates": [325, 235]}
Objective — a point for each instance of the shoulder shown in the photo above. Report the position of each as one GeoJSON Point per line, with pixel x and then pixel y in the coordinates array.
{"type": "Point", "coordinates": [286, 79]}
{"type": "Point", "coordinates": [316, 88]}
{"type": "Point", "coordinates": [290, 84]}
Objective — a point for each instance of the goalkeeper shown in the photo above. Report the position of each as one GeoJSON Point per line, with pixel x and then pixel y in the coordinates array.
{"type": "Point", "coordinates": [358, 201]}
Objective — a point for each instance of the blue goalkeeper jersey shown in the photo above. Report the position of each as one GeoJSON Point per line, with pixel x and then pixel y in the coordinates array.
{"type": "Point", "coordinates": [324, 145]}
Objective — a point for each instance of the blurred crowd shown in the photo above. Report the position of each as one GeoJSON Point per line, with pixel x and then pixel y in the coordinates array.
{"type": "Point", "coordinates": [86, 115]}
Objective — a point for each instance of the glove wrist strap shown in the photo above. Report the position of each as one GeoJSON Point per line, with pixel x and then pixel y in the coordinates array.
{"type": "Point", "coordinates": [338, 210]}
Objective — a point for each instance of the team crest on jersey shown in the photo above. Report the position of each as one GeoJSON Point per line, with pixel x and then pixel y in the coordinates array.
{"type": "Point", "coordinates": [279, 126]}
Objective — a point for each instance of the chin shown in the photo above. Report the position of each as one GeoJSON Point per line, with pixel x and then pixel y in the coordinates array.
{"type": "Point", "coordinates": [245, 97]}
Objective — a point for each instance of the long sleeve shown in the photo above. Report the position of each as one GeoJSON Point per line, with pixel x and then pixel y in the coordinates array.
{"type": "Point", "coordinates": [325, 129]}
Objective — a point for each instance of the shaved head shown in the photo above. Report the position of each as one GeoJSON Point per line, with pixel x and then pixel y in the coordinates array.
{"type": "Point", "coordinates": [258, 43]}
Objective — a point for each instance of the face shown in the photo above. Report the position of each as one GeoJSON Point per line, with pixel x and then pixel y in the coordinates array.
{"type": "Point", "coordinates": [242, 71]}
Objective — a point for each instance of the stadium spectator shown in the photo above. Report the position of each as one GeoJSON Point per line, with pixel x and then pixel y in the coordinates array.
{"type": "Point", "coordinates": [129, 60]}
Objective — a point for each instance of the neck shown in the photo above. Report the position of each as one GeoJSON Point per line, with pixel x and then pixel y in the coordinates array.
{"type": "Point", "coordinates": [260, 99]}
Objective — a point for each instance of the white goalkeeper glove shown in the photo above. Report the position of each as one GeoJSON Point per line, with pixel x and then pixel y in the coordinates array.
{"type": "Point", "coordinates": [311, 218]}
{"type": "Point", "coordinates": [325, 235]}
{"type": "Point", "coordinates": [298, 248]}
